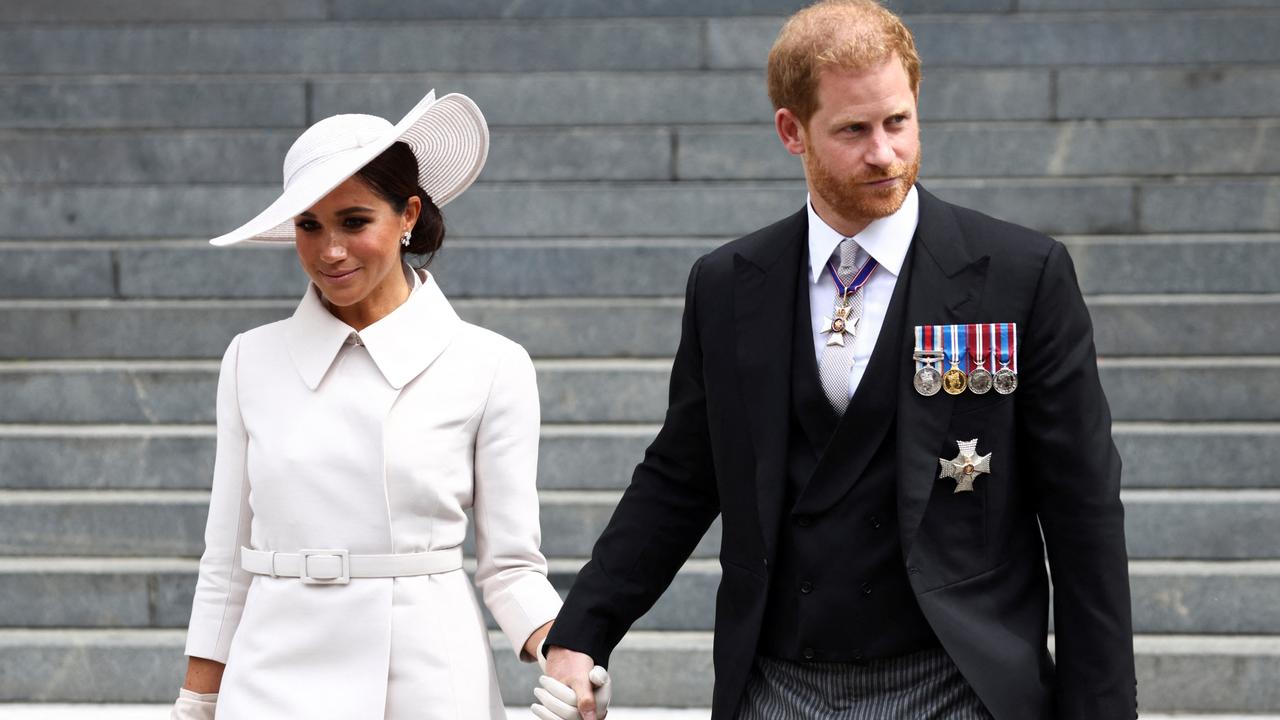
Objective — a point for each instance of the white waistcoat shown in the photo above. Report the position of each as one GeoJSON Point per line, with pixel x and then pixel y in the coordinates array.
{"type": "Point", "coordinates": [375, 448]}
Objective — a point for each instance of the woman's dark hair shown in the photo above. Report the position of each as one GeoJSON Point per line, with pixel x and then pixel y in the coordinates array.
{"type": "Point", "coordinates": [393, 176]}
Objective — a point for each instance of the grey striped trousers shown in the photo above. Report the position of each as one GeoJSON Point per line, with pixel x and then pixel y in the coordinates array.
{"type": "Point", "coordinates": [922, 686]}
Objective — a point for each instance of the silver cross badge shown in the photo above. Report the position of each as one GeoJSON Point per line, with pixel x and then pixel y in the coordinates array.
{"type": "Point", "coordinates": [966, 467]}
{"type": "Point", "coordinates": [838, 326]}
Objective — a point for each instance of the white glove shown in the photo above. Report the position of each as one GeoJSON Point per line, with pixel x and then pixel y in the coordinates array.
{"type": "Point", "coordinates": [556, 701]}
{"type": "Point", "coordinates": [194, 706]}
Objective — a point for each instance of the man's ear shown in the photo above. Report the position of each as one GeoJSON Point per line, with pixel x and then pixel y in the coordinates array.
{"type": "Point", "coordinates": [790, 130]}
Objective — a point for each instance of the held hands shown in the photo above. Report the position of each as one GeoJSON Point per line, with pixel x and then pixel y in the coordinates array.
{"type": "Point", "coordinates": [194, 706]}
{"type": "Point", "coordinates": [569, 676]}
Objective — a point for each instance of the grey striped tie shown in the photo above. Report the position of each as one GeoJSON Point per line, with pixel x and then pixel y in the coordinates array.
{"type": "Point", "coordinates": [837, 360]}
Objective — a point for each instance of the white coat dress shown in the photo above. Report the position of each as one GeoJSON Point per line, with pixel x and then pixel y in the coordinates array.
{"type": "Point", "coordinates": [376, 446]}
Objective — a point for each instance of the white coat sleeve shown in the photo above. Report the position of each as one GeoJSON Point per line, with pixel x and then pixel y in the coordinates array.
{"type": "Point", "coordinates": [510, 569]}
{"type": "Point", "coordinates": [222, 585]}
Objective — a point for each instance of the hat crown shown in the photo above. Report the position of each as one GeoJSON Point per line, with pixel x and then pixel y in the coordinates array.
{"type": "Point", "coordinates": [330, 137]}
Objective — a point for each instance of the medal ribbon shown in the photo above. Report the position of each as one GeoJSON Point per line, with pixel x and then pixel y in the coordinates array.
{"type": "Point", "coordinates": [860, 278]}
{"type": "Point", "coordinates": [975, 333]}
{"type": "Point", "coordinates": [1008, 346]}
{"type": "Point", "coordinates": [928, 337]}
{"type": "Point", "coordinates": [954, 347]}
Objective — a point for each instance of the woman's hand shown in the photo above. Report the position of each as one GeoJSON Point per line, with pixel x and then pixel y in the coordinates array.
{"type": "Point", "coordinates": [530, 651]}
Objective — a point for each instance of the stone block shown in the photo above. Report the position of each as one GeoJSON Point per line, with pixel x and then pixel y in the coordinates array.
{"type": "Point", "coordinates": [1050, 206]}
{"type": "Point", "coordinates": [579, 154]}
{"type": "Point", "coordinates": [986, 94]}
{"type": "Point", "coordinates": [564, 98]}
{"type": "Point", "coordinates": [103, 393]}
{"type": "Point", "coordinates": [1220, 205]}
{"type": "Point", "coordinates": [1065, 5]}
{"type": "Point", "coordinates": [1199, 456]}
{"type": "Point", "coordinates": [144, 211]}
{"type": "Point", "coordinates": [1199, 598]}
{"type": "Point", "coordinates": [573, 521]}
{"type": "Point", "coordinates": [1229, 674]}
{"type": "Point", "coordinates": [580, 392]}
{"type": "Point", "coordinates": [30, 270]}
{"type": "Point", "coordinates": [1030, 40]}
{"type": "Point", "coordinates": [304, 48]}
{"type": "Point", "coordinates": [62, 599]}
{"type": "Point", "coordinates": [1201, 524]}
{"type": "Point", "coordinates": [91, 665]}
{"type": "Point", "coordinates": [1221, 325]}
{"type": "Point", "coordinates": [95, 524]}
{"type": "Point", "coordinates": [144, 459]}
{"type": "Point", "coordinates": [118, 11]}
{"type": "Point", "coordinates": [1227, 389]}
{"type": "Point", "coordinates": [151, 157]}
{"type": "Point", "coordinates": [591, 458]}
{"type": "Point", "coordinates": [1210, 91]}
{"type": "Point", "coordinates": [1160, 264]}
{"type": "Point", "coordinates": [209, 103]}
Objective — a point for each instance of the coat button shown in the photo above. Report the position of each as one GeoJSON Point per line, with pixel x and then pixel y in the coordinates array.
{"type": "Point", "coordinates": [866, 588]}
{"type": "Point", "coordinates": [875, 522]}
{"type": "Point", "coordinates": [808, 654]}
{"type": "Point", "coordinates": [858, 656]}
{"type": "Point", "coordinates": [806, 587]}
{"type": "Point", "coordinates": [913, 570]}
{"type": "Point", "coordinates": [804, 520]}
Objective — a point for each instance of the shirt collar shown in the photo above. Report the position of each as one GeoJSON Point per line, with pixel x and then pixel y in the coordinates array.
{"type": "Point", "coordinates": [887, 239]}
{"type": "Point", "coordinates": [402, 344]}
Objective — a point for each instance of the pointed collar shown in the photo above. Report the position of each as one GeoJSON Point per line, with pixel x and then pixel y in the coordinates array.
{"type": "Point", "coordinates": [887, 239]}
{"type": "Point", "coordinates": [402, 344]}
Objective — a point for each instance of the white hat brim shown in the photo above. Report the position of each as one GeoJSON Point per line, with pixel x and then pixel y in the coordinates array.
{"type": "Point", "coordinates": [448, 136]}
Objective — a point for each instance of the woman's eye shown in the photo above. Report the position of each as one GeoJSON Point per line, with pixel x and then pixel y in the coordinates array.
{"type": "Point", "coordinates": [355, 223]}
{"type": "Point", "coordinates": [307, 225]}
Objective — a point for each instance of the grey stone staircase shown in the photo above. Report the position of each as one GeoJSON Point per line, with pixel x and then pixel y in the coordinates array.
{"type": "Point", "coordinates": [629, 137]}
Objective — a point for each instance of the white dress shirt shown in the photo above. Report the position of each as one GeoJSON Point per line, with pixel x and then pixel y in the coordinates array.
{"type": "Point", "coordinates": [887, 240]}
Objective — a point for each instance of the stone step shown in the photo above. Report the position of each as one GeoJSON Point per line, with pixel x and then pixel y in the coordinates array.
{"type": "Point", "coordinates": [1035, 149]}
{"type": "Point", "coordinates": [631, 44]}
{"type": "Point", "coordinates": [581, 457]}
{"type": "Point", "coordinates": [551, 268]}
{"type": "Point", "coordinates": [1013, 150]}
{"type": "Point", "coordinates": [599, 391]}
{"type": "Point", "coordinates": [1168, 597]}
{"type": "Point", "coordinates": [1160, 524]}
{"type": "Point", "coordinates": [1178, 672]}
{"type": "Point", "coordinates": [717, 209]}
{"type": "Point", "coordinates": [579, 328]}
{"type": "Point", "coordinates": [160, 711]}
{"type": "Point", "coordinates": [1130, 38]}
{"type": "Point", "coordinates": [609, 98]}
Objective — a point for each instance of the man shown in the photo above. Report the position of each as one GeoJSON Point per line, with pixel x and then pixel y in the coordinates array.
{"type": "Point", "coordinates": [882, 552]}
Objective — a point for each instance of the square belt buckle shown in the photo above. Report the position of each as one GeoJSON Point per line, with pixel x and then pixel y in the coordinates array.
{"type": "Point", "coordinates": [325, 567]}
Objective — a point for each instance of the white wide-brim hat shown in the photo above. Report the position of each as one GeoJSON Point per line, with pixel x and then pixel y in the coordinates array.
{"type": "Point", "coordinates": [449, 137]}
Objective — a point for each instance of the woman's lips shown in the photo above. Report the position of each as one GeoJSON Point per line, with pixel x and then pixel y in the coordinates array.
{"type": "Point", "coordinates": [339, 276]}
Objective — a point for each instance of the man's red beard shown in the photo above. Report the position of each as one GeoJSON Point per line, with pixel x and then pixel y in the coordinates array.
{"type": "Point", "coordinates": [851, 198]}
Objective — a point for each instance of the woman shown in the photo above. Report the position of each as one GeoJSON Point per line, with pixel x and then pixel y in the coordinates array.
{"type": "Point", "coordinates": [352, 437]}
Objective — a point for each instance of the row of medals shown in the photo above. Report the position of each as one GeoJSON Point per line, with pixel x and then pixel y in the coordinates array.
{"type": "Point", "coordinates": [930, 379]}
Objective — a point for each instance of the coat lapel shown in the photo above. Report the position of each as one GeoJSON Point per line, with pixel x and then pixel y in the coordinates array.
{"type": "Point", "coordinates": [945, 287]}
{"type": "Point", "coordinates": [764, 291]}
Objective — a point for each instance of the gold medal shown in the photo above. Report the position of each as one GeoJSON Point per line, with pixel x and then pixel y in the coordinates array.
{"type": "Point", "coordinates": [954, 381]}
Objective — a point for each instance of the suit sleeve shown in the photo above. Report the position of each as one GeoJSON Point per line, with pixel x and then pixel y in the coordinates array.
{"type": "Point", "coordinates": [667, 508]}
{"type": "Point", "coordinates": [1065, 444]}
{"type": "Point", "coordinates": [510, 569]}
{"type": "Point", "coordinates": [222, 584]}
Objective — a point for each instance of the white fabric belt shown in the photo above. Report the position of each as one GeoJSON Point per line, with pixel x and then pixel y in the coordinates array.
{"type": "Point", "coordinates": [337, 567]}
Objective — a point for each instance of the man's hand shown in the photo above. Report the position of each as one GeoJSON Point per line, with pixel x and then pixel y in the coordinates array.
{"type": "Point", "coordinates": [572, 688]}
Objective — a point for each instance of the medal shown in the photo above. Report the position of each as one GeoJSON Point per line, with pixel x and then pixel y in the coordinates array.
{"type": "Point", "coordinates": [954, 381]}
{"type": "Point", "coordinates": [979, 377]}
{"type": "Point", "coordinates": [966, 467]}
{"type": "Point", "coordinates": [836, 327]}
{"type": "Point", "coordinates": [1006, 378]}
{"type": "Point", "coordinates": [928, 358]}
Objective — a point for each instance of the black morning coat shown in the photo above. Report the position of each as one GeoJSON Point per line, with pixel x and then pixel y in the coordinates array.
{"type": "Point", "coordinates": [977, 567]}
